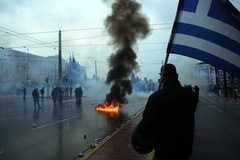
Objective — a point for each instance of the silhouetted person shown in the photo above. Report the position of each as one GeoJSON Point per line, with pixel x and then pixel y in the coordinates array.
{"type": "Point", "coordinates": [196, 91]}
{"type": "Point", "coordinates": [60, 95]}
{"type": "Point", "coordinates": [71, 91]}
{"type": "Point", "coordinates": [35, 95]}
{"type": "Point", "coordinates": [78, 94]}
{"type": "Point", "coordinates": [57, 94]}
{"type": "Point", "coordinates": [24, 93]}
{"type": "Point", "coordinates": [54, 95]}
{"type": "Point", "coordinates": [169, 117]}
{"type": "Point", "coordinates": [42, 91]}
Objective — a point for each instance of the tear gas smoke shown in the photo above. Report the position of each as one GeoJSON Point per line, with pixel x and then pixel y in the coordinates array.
{"type": "Point", "coordinates": [125, 25]}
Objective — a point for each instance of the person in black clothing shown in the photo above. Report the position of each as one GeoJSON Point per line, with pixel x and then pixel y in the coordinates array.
{"type": "Point", "coordinates": [60, 94]}
{"type": "Point", "coordinates": [35, 95]}
{"type": "Point", "coordinates": [42, 91]}
{"type": "Point", "coordinates": [57, 94]}
{"type": "Point", "coordinates": [24, 93]}
{"type": "Point", "coordinates": [168, 118]}
{"type": "Point", "coordinates": [196, 91]}
{"type": "Point", "coordinates": [78, 94]}
{"type": "Point", "coordinates": [71, 91]}
{"type": "Point", "coordinates": [54, 95]}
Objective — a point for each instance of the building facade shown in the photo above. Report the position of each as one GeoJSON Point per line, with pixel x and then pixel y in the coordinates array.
{"type": "Point", "coordinates": [220, 81]}
{"type": "Point", "coordinates": [19, 69]}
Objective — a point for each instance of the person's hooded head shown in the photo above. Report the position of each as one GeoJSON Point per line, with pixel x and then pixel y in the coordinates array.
{"type": "Point", "coordinates": [169, 72]}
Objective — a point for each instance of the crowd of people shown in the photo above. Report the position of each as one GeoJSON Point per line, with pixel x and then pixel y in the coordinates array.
{"type": "Point", "coordinates": [57, 94]}
{"type": "Point", "coordinates": [145, 85]}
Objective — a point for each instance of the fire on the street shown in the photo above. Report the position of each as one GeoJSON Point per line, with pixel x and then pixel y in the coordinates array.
{"type": "Point", "coordinates": [110, 108]}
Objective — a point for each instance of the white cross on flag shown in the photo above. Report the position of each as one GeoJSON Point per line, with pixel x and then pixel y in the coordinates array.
{"type": "Point", "coordinates": [208, 30]}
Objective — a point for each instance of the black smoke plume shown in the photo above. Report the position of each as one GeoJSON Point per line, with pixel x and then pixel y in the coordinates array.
{"type": "Point", "coordinates": [125, 25]}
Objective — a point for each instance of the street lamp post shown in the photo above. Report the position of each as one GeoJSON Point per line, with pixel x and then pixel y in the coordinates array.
{"type": "Point", "coordinates": [27, 62]}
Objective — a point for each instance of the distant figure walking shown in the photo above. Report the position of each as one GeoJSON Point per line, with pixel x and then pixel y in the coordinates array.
{"type": "Point", "coordinates": [196, 91]}
{"type": "Point", "coordinates": [78, 94]}
{"type": "Point", "coordinates": [54, 95]}
{"type": "Point", "coordinates": [24, 93]}
{"type": "Point", "coordinates": [42, 91]}
{"type": "Point", "coordinates": [35, 95]}
{"type": "Point", "coordinates": [71, 91]}
{"type": "Point", "coordinates": [60, 95]}
{"type": "Point", "coordinates": [57, 94]}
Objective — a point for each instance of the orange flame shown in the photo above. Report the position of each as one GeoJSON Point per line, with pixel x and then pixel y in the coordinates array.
{"type": "Point", "coordinates": [110, 108]}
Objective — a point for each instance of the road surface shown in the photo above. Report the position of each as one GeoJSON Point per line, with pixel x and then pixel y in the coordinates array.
{"type": "Point", "coordinates": [55, 132]}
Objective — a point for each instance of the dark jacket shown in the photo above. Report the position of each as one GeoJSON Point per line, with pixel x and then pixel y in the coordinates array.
{"type": "Point", "coordinates": [169, 115]}
{"type": "Point", "coordinates": [35, 93]}
{"type": "Point", "coordinates": [78, 92]}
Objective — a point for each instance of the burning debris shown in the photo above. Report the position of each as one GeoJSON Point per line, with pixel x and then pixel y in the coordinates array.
{"type": "Point", "coordinates": [111, 108]}
{"type": "Point", "coordinates": [125, 25]}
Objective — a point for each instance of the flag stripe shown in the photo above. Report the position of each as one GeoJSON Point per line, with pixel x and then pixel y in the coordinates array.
{"type": "Point", "coordinates": [211, 24]}
{"type": "Point", "coordinates": [209, 35]}
{"type": "Point", "coordinates": [206, 47]}
{"type": "Point", "coordinates": [190, 7]}
{"type": "Point", "coordinates": [206, 57]}
{"type": "Point", "coordinates": [207, 30]}
{"type": "Point", "coordinates": [218, 11]}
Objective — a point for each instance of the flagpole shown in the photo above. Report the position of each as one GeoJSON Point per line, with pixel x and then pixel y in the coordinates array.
{"type": "Point", "coordinates": [170, 40]}
{"type": "Point", "coordinates": [163, 70]}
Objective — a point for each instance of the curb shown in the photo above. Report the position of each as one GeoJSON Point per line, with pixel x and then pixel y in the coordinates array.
{"type": "Point", "coordinates": [109, 137]}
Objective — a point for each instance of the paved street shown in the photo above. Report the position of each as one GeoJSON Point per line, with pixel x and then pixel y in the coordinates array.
{"type": "Point", "coordinates": [55, 132]}
{"type": "Point", "coordinates": [217, 129]}
{"type": "Point", "coordinates": [61, 132]}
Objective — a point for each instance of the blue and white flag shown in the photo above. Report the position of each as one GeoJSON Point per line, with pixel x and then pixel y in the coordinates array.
{"type": "Point", "coordinates": [208, 30]}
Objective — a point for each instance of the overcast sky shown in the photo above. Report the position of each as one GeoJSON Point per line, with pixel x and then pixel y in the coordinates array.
{"type": "Point", "coordinates": [83, 32]}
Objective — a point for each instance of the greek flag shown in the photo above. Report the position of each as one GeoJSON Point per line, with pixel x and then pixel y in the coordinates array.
{"type": "Point", "coordinates": [208, 30]}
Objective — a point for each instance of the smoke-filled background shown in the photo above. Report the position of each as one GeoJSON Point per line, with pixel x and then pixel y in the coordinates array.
{"type": "Point", "coordinates": [84, 35]}
{"type": "Point", "coordinates": [125, 25]}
